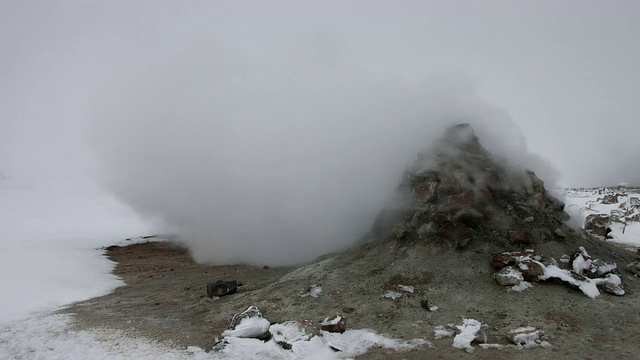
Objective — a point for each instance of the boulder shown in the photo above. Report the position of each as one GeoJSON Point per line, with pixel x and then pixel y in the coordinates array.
{"type": "Point", "coordinates": [520, 237]}
{"type": "Point", "coordinates": [610, 199]}
{"type": "Point", "coordinates": [469, 216]}
{"type": "Point", "coordinates": [599, 224]}
{"type": "Point", "coordinates": [249, 324]}
{"type": "Point", "coordinates": [508, 276]}
{"type": "Point", "coordinates": [531, 270]}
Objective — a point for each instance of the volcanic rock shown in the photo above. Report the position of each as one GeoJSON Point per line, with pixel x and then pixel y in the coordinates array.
{"type": "Point", "coordinates": [599, 224]}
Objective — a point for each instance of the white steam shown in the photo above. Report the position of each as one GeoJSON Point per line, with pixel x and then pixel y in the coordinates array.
{"type": "Point", "coordinates": [277, 152]}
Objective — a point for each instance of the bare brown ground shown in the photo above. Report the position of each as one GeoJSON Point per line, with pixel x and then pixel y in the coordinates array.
{"type": "Point", "coordinates": [164, 300]}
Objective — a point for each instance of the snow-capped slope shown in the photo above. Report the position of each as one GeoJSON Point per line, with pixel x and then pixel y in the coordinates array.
{"type": "Point", "coordinates": [620, 204]}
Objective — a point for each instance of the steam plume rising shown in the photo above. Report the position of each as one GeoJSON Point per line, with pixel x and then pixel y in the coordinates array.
{"type": "Point", "coordinates": [276, 162]}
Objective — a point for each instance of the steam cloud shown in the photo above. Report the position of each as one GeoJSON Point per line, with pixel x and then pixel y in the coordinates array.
{"type": "Point", "coordinates": [276, 154]}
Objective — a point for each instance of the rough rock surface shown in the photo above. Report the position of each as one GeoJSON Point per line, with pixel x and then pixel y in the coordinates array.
{"type": "Point", "coordinates": [422, 243]}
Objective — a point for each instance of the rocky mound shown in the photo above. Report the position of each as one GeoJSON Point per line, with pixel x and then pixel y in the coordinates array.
{"type": "Point", "coordinates": [430, 261]}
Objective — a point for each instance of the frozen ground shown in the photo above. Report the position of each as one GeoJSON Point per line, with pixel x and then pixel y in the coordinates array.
{"type": "Point", "coordinates": [581, 202]}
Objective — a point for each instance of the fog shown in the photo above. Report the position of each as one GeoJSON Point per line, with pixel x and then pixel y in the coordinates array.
{"type": "Point", "coordinates": [273, 133]}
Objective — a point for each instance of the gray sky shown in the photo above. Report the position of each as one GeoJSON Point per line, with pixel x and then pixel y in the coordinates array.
{"type": "Point", "coordinates": [195, 96]}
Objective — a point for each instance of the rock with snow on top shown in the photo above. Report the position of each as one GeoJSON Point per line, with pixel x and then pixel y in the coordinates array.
{"type": "Point", "coordinates": [442, 331]}
{"type": "Point", "coordinates": [531, 270]}
{"type": "Point", "coordinates": [600, 268]}
{"type": "Point", "coordinates": [249, 324]}
{"type": "Point", "coordinates": [428, 305]}
{"type": "Point", "coordinates": [500, 260]}
{"type": "Point", "coordinates": [469, 331]}
{"type": "Point", "coordinates": [508, 276]}
{"type": "Point", "coordinates": [610, 199]}
{"type": "Point", "coordinates": [527, 337]}
{"type": "Point", "coordinates": [335, 324]}
{"type": "Point", "coordinates": [406, 288]}
{"type": "Point", "coordinates": [599, 224]}
{"type": "Point", "coordinates": [313, 290]}
{"type": "Point", "coordinates": [580, 260]}
{"type": "Point", "coordinates": [393, 295]}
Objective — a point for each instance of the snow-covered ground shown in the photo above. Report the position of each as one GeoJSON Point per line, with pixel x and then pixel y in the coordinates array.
{"type": "Point", "coordinates": [51, 254]}
{"type": "Point", "coordinates": [624, 212]}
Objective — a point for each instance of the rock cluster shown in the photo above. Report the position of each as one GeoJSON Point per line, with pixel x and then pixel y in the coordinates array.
{"type": "Point", "coordinates": [459, 192]}
{"type": "Point", "coordinates": [584, 273]}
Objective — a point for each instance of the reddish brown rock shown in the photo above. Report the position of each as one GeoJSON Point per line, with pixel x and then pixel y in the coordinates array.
{"type": "Point", "coordinates": [460, 201]}
{"type": "Point", "coordinates": [599, 224]}
{"type": "Point", "coordinates": [538, 201]}
{"type": "Point", "coordinates": [427, 191]}
{"type": "Point", "coordinates": [455, 231]}
{"type": "Point", "coordinates": [520, 237]}
{"type": "Point", "coordinates": [500, 260]}
{"type": "Point", "coordinates": [531, 270]}
{"type": "Point", "coordinates": [449, 186]}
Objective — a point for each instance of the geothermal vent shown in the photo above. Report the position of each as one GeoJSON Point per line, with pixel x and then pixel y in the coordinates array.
{"type": "Point", "coordinates": [469, 239]}
{"type": "Point", "coordinates": [458, 193]}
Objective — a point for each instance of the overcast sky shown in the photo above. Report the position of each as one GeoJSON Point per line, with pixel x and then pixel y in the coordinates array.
{"type": "Point", "coordinates": [129, 92]}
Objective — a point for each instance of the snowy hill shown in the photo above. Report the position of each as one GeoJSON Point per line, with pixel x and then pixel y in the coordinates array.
{"type": "Point", "coordinates": [616, 210]}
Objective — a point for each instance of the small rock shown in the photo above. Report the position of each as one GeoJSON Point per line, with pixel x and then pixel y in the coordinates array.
{"type": "Point", "coordinates": [559, 233]}
{"type": "Point", "coordinates": [634, 268]}
{"type": "Point", "coordinates": [525, 336]}
{"type": "Point", "coordinates": [520, 237]}
{"type": "Point", "coordinates": [508, 276]}
{"type": "Point", "coordinates": [265, 267]}
{"type": "Point", "coordinates": [334, 324]}
{"type": "Point", "coordinates": [221, 288]}
{"type": "Point", "coordinates": [428, 305]}
{"type": "Point", "coordinates": [611, 288]}
{"type": "Point", "coordinates": [469, 216]}
{"type": "Point", "coordinates": [529, 219]}
{"type": "Point", "coordinates": [427, 230]}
